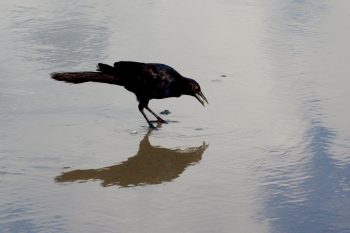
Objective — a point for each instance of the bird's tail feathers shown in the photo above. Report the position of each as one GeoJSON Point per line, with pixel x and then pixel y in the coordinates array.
{"type": "Point", "coordinates": [106, 69]}
{"type": "Point", "coordinates": [85, 76]}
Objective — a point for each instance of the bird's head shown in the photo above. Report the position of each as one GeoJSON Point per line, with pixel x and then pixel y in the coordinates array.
{"type": "Point", "coordinates": [192, 88]}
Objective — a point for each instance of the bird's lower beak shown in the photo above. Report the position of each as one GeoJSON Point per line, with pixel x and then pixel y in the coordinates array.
{"type": "Point", "coordinates": [201, 98]}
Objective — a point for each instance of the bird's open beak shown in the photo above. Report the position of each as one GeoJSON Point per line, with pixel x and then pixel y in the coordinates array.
{"type": "Point", "coordinates": [201, 98]}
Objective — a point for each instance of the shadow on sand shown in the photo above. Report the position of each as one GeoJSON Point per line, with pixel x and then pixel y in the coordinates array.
{"type": "Point", "coordinates": [151, 165]}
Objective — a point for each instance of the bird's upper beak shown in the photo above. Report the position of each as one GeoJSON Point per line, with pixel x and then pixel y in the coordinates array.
{"type": "Point", "coordinates": [201, 98]}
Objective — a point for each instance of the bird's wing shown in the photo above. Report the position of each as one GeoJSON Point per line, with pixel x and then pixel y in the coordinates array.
{"type": "Point", "coordinates": [136, 71]}
{"type": "Point", "coordinates": [129, 69]}
{"type": "Point", "coordinates": [149, 80]}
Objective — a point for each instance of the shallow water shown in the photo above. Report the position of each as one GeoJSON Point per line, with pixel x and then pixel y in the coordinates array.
{"type": "Point", "coordinates": [270, 153]}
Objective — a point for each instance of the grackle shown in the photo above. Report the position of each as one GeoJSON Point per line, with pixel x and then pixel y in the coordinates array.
{"type": "Point", "coordinates": [146, 80]}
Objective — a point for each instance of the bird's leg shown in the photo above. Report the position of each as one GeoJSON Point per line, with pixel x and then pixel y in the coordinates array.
{"type": "Point", "coordinates": [144, 115]}
{"type": "Point", "coordinates": [159, 119]}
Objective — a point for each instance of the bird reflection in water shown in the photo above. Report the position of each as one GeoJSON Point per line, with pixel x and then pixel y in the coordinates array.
{"type": "Point", "coordinates": [151, 165]}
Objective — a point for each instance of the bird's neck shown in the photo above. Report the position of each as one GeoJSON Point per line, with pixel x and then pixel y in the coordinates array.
{"type": "Point", "coordinates": [185, 87]}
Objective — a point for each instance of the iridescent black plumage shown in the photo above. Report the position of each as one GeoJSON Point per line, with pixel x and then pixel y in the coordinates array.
{"type": "Point", "coordinates": [147, 80]}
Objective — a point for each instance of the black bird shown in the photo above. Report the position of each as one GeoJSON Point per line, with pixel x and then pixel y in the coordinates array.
{"type": "Point", "coordinates": [146, 80]}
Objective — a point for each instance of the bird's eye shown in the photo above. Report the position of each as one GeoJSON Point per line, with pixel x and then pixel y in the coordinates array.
{"type": "Point", "coordinates": [196, 87]}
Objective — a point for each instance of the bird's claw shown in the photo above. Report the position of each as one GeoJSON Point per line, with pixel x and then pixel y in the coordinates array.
{"type": "Point", "coordinates": [151, 126]}
{"type": "Point", "coordinates": [160, 121]}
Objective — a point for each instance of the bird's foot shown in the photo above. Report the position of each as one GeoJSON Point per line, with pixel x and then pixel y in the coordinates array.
{"type": "Point", "coordinates": [163, 121]}
{"type": "Point", "coordinates": [151, 126]}
{"type": "Point", "coordinates": [160, 120]}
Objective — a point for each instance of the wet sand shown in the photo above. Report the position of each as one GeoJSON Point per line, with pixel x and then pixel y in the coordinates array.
{"type": "Point", "coordinates": [270, 153]}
